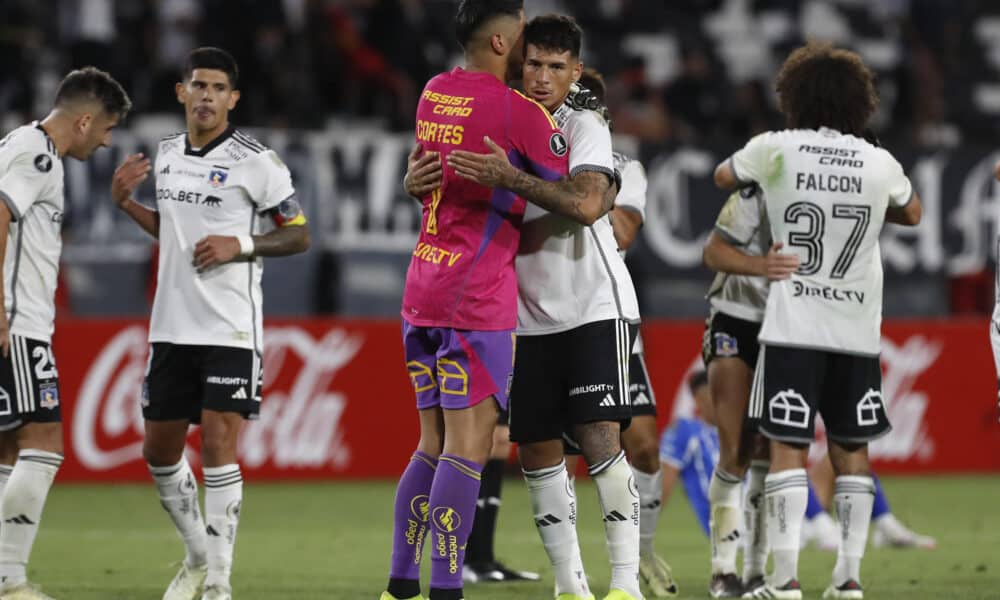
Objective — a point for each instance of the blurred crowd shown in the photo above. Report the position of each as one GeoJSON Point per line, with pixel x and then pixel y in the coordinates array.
{"type": "Point", "coordinates": [683, 70]}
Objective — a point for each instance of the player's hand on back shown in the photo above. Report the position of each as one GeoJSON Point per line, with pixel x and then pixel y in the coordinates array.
{"type": "Point", "coordinates": [780, 266]}
{"type": "Point", "coordinates": [214, 250]}
{"type": "Point", "coordinates": [128, 176]}
{"type": "Point", "coordinates": [423, 172]}
{"type": "Point", "coordinates": [491, 170]}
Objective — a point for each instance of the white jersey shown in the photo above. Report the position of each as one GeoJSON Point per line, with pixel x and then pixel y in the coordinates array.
{"type": "Point", "coordinates": [631, 196]}
{"type": "Point", "coordinates": [569, 275]}
{"type": "Point", "coordinates": [742, 223]}
{"type": "Point", "coordinates": [31, 184]}
{"type": "Point", "coordinates": [826, 195]}
{"type": "Point", "coordinates": [220, 189]}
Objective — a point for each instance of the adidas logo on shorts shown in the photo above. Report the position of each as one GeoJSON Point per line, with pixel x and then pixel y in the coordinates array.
{"type": "Point", "coordinates": [608, 401]}
{"type": "Point", "coordinates": [240, 394]}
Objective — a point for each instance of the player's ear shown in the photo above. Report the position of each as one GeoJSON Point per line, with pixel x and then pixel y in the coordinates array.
{"type": "Point", "coordinates": [181, 90]}
{"type": "Point", "coordinates": [83, 122]}
{"type": "Point", "coordinates": [498, 43]}
{"type": "Point", "coordinates": [577, 71]}
{"type": "Point", "coordinates": [234, 97]}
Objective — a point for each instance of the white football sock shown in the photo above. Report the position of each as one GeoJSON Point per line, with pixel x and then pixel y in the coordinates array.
{"type": "Point", "coordinates": [554, 507]}
{"type": "Point", "coordinates": [5, 471]}
{"type": "Point", "coordinates": [553, 504]}
{"type": "Point", "coordinates": [786, 493]}
{"type": "Point", "coordinates": [178, 491]}
{"type": "Point", "coordinates": [650, 499]}
{"type": "Point", "coordinates": [223, 501]}
{"type": "Point", "coordinates": [724, 520]}
{"type": "Point", "coordinates": [853, 497]}
{"type": "Point", "coordinates": [21, 510]}
{"type": "Point", "coordinates": [755, 539]}
{"type": "Point", "coordinates": [620, 507]}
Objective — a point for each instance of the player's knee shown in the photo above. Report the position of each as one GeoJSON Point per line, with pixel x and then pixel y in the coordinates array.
{"type": "Point", "coordinates": [599, 441]}
{"type": "Point", "coordinates": [41, 436]}
{"type": "Point", "coordinates": [218, 446]}
{"type": "Point", "coordinates": [501, 443]}
{"type": "Point", "coordinates": [645, 455]}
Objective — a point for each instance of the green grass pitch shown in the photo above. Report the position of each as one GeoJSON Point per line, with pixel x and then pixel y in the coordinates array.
{"type": "Point", "coordinates": [331, 541]}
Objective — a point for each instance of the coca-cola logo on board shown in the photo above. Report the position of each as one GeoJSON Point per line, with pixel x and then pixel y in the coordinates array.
{"type": "Point", "coordinates": [300, 417]}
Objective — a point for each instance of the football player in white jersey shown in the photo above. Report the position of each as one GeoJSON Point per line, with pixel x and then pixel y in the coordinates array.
{"type": "Point", "coordinates": [736, 250]}
{"type": "Point", "coordinates": [641, 439]}
{"type": "Point", "coordinates": [224, 201]}
{"type": "Point", "coordinates": [577, 316]}
{"type": "Point", "coordinates": [88, 105]}
{"type": "Point", "coordinates": [828, 193]}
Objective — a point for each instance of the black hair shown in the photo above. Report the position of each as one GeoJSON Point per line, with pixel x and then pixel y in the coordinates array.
{"type": "Point", "coordinates": [473, 14]}
{"type": "Point", "coordinates": [91, 84]}
{"type": "Point", "coordinates": [210, 57]}
{"type": "Point", "coordinates": [559, 33]}
{"type": "Point", "coordinates": [822, 86]}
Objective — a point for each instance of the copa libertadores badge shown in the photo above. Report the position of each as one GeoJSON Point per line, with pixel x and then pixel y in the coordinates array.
{"type": "Point", "coordinates": [43, 162]}
{"type": "Point", "coordinates": [557, 144]}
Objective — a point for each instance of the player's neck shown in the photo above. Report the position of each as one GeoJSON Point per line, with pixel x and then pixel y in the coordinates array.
{"type": "Point", "coordinates": [59, 127]}
{"type": "Point", "coordinates": [478, 64]}
{"type": "Point", "coordinates": [201, 138]}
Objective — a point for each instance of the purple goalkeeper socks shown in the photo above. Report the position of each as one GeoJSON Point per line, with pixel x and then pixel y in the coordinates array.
{"type": "Point", "coordinates": [453, 509]}
{"type": "Point", "coordinates": [410, 525]}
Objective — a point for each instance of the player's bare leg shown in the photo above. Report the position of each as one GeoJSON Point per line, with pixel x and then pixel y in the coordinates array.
{"type": "Point", "coordinates": [163, 449]}
{"type": "Point", "coordinates": [412, 508]}
{"type": "Point", "coordinates": [729, 380]}
{"type": "Point", "coordinates": [607, 466]}
{"type": "Point", "coordinates": [854, 495]}
{"type": "Point", "coordinates": [553, 504]}
{"type": "Point", "coordinates": [39, 457]}
{"type": "Point", "coordinates": [223, 496]}
{"type": "Point", "coordinates": [641, 445]}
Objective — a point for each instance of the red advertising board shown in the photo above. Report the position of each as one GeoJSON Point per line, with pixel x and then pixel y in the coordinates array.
{"type": "Point", "coordinates": [338, 402]}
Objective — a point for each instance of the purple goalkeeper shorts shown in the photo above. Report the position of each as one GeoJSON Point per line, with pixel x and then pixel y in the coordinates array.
{"type": "Point", "coordinates": [454, 368]}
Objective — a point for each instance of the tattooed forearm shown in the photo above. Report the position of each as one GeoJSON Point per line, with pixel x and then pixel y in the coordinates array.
{"type": "Point", "coordinates": [283, 241]}
{"type": "Point", "coordinates": [582, 198]}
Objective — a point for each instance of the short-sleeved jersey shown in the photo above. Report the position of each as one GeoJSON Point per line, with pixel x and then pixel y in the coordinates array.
{"type": "Point", "coordinates": [570, 275]}
{"type": "Point", "coordinates": [826, 195]}
{"type": "Point", "coordinates": [461, 274]}
{"type": "Point", "coordinates": [31, 184]}
{"type": "Point", "coordinates": [220, 189]}
{"type": "Point", "coordinates": [742, 223]}
{"type": "Point", "coordinates": [692, 447]}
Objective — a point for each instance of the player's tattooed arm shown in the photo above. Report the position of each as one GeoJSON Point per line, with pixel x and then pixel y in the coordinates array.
{"type": "Point", "coordinates": [584, 198]}
{"type": "Point", "coordinates": [906, 215]}
{"type": "Point", "coordinates": [721, 256]}
{"type": "Point", "coordinates": [423, 172]}
{"type": "Point", "coordinates": [126, 179]}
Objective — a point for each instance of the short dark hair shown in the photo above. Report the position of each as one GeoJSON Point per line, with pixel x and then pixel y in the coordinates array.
{"type": "Point", "coordinates": [594, 81]}
{"type": "Point", "coordinates": [473, 14]}
{"type": "Point", "coordinates": [210, 57]}
{"type": "Point", "coordinates": [555, 32]}
{"type": "Point", "coordinates": [822, 86]}
{"type": "Point", "coordinates": [91, 84]}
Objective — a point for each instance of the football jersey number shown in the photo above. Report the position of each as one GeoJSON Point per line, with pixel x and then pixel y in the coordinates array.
{"type": "Point", "coordinates": [811, 239]}
{"type": "Point", "coordinates": [432, 221]}
{"type": "Point", "coordinates": [45, 365]}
